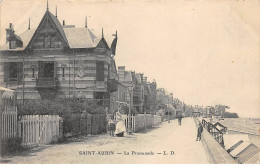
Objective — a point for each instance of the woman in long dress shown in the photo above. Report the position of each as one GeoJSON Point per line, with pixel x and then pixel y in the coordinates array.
{"type": "Point", "coordinates": [120, 124]}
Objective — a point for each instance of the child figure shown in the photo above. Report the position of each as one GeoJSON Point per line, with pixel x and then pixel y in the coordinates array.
{"type": "Point", "coordinates": [111, 124]}
{"type": "Point", "coordinates": [200, 129]}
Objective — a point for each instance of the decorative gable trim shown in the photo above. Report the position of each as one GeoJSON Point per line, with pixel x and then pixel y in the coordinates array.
{"type": "Point", "coordinates": [102, 44]}
{"type": "Point", "coordinates": [55, 23]}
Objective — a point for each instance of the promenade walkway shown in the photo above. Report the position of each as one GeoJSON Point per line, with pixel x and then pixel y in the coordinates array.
{"type": "Point", "coordinates": [216, 153]}
{"type": "Point", "coordinates": [153, 146]}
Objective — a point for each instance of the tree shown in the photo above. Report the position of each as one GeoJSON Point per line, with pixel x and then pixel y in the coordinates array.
{"type": "Point", "coordinates": [126, 110]}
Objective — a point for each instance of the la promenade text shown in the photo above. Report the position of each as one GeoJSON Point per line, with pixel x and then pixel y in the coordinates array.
{"type": "Point", "coordinates": [102, 153]}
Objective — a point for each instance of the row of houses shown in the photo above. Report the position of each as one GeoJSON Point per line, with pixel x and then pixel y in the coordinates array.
{"type": "Point", "coordinates": [55, 60]}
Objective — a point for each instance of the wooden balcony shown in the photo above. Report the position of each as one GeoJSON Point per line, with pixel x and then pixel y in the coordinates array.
{"type": "Point", "coordinates": [101, 84]}
{"type": "Point", "coordinates": [112, 85]}
{"type": "Point", "coordinates": [47, 82]}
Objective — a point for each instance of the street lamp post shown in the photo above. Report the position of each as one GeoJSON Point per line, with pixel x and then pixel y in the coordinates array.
{"type": "Point", "coordinates": [168, 111]}
{"type": "Point", "coordinates": [129, 113]}
{"type": "Point", "coordinates": [1, 105]}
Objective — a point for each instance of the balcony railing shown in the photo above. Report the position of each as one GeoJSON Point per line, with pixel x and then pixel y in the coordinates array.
{"type": "Point", "coordinates": [112, 85]}
{"type": "Point", "coordinates": [46, 82]}
{"type": "Point", "coordinates": [215, 132]}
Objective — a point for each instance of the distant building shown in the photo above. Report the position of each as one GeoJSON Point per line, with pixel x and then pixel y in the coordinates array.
{"type": "Point", "coordinates": [119, 98]}
{"type": "Point", "coordinates": [128, 80]}
{"type": "Point", "coordinates": [164, 103]}
{"type": "Point", "coordinates": [58, 61]}
{"type": "Point", "coordinates": [150, 97]}
{"type": "Point", "coordinates": [143, 96]}
{"type": "Point", "coordinates": [220, 110]}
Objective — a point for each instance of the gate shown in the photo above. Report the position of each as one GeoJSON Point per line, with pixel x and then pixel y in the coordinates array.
{"type": "Point", "coordinates": [39, 129]}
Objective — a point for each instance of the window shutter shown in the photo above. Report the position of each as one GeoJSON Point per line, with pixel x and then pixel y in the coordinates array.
{"type": "Point", "coordinates": [6, 71]}
{"type": "Point", "coordinates": [55, 69]}
{"type": "Point", "coordinates": [108, 69]}
{"type": "Point", "coordinates": [40, 69]}
{"type": "Point", "coordinates": [100, 71]}
{"type": "Point", "coordinates": [20, 72]}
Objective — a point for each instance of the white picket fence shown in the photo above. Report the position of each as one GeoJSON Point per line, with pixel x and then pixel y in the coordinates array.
{"type": "Point", "coordinates": [130, 121]}
{"type": "Point", "coordinates": [141, 122]}
{"type": "Point", "coordinates": [38, 130]}
{"type": "Point", "coordinates": [9, 123]}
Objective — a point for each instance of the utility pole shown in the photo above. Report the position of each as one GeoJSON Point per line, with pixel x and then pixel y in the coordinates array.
{"type": "Point", "coordinates": [129, 113]}
{"type": "Point", "coordinates": [69, 65]}
{"type": "Point", "coordinates": [168, 108]}
{"type": "Point", "coordinates": [23, 76]}
{"type": "Point", "coordinates": [1, 108]}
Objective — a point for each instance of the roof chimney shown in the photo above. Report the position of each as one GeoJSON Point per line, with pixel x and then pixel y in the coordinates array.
{"type": "Point", "coordinates": [121, 73]}
{"type": "Point", "coordinates": [145, 79]}
{"type": "Point", "coordinates": [56, 12]}
{"type": "Point", "coordinates": [86, 21]}
{"type": "Point", "coordinates": [9, 31]}
{"type": "Point", "coordinates": [29, 27]}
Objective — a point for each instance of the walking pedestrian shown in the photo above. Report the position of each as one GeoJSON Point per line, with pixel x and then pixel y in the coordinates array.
{"type": "Point", "coordinates": [200, 130]}
{"type": "Point", "coordinates": [179, 119]}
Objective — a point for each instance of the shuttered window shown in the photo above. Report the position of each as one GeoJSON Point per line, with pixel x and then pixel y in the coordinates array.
{"type": "Point", "coordinates": [13, 71]}
{"type": "Point", "coordinates": [6, 71]}
{"type": "Point", "coordinates": [100, 71]}
{"type": "Point", "coordinates": [47, 69]}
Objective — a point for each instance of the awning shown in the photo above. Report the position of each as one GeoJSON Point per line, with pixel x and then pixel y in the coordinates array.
{"type": "Point", "coordinates": [6, 93]}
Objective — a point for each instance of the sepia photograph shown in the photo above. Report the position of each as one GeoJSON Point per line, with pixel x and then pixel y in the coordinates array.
{"type": "Point", "coordinates": [129, 82]}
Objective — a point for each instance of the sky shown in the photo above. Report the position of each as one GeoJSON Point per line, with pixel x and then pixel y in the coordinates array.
{"type": "Point", "coordinates": [204, 52]}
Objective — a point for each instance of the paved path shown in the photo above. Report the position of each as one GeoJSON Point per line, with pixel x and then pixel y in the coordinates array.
{"type": "Point", "coordinates": [168, 137]}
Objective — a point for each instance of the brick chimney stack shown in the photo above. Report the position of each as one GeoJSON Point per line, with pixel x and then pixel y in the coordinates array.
{"type": "Point", "coordinates": [144, 79]}
{"type": "Point", "coordinates": [86, 21]}
{"type": "Point", "coordinates": [9, 31]}
{"type": "Point", "coordinates": [121, 73]}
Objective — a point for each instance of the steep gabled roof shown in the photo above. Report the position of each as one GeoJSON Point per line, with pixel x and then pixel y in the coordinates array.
{"type": "Point", "coordinates": [103, 43]}
{"type": "Point", "coordinates": [128, 76]}
{"type": "Point", "coordinates": [81, 38]}
{"type": "Point", "coordinates": [73, 37]}
{"type": "Point", "coordinates": [113, 65]}
{"type": "Point", "coordinates": [56, 24]}
{"type": "Point", "coordinates": [138, 78]}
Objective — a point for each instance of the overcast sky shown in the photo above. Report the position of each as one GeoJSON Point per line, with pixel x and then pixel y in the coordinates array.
{"type": "Point", "coordinates": [205, 52]}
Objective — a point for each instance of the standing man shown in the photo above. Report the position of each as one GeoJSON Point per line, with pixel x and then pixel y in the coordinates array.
{"type": "Point", "coordinates": [200, 130]}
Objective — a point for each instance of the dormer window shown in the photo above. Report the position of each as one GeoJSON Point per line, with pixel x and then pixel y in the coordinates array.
{"type": "Point", "coordinates": [47, 41]}
{"type": "Point", "coordinates": [13, 45]}
{"type": "Point", "coordinates": [15, 41]}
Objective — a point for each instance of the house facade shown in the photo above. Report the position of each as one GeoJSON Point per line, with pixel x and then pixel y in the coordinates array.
{"type": "Point", "coordinates": [134, 82]}
{"type": "Point", "coordinates": [119, 98]}
{"type": "Point", "coordinates": [127, 79]}
{"type": "Point", "coordinates": [58, 61]}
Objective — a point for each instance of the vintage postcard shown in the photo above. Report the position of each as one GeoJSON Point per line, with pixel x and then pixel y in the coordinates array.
{"type": "Point", "coordinates": [129, 82]}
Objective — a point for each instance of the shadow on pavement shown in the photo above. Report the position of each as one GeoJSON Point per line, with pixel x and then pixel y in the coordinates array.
{"type": "Point", "coordinates": [149, 130]}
